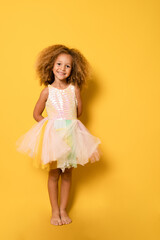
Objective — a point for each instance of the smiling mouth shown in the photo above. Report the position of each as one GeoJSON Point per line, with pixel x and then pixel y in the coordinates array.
{"type": "Point", "coordinates": [61, 73]}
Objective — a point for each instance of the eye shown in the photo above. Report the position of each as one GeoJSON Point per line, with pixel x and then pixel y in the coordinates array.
{"type": "Point", "coordinates": [58, 63]}
{"type": "Point", "coordinates": [68, 66]}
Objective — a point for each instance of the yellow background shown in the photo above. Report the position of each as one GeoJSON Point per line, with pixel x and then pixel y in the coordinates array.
{"type": "Point", "coordinates": [117, 198]}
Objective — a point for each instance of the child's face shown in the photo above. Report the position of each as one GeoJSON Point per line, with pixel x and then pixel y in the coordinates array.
{"type": "Point", "coordinates": [62, 67]}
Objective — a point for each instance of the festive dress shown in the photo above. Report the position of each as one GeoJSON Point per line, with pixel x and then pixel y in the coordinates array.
{"type": "Point", "coordinates": [59, 140]}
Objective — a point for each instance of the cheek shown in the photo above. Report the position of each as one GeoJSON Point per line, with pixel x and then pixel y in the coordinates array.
{"type": "Point", "coordinates": [54, 68]}
{"type": "Point", "coordinates": [69, 70]}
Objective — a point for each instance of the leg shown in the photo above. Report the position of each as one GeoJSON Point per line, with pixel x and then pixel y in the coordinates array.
{"type": "Point", "coordinates": [53, 178]}
{"type": "Point", "coordinates": [66, 178]}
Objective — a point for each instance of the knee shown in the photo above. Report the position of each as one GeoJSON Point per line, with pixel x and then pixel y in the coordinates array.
{"type": "Point", "coordinates": [66, 175]}
{"type": "Point", "coordinates": [54, 174]}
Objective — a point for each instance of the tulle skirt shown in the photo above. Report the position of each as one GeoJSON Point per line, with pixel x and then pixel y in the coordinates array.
{"type": "Point", "coordinates": [59, 143]}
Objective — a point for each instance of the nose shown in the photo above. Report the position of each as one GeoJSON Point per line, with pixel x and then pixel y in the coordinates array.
{"type": "Point", "coordinates": [62, 67]}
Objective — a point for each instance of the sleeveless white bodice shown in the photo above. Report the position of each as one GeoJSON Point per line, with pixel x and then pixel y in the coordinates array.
{"type": "Point", "coordinates": [61, 103]}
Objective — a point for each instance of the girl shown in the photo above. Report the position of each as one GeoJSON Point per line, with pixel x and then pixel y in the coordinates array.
{"type": "Point", "coordinates": [60, 141]}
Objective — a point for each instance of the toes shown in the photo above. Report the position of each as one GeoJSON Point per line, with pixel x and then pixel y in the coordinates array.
{"type": "Point", "coordinates": [66, 220]}
{"type": "Point", "coordinates": [59, 222]}
{"type": "Point", "coordinates": [53, 222]}
{"type": "Point", "coordinates": [63, 221]}
{"type": "Point", "coordinates": [69, 221]}
{"type": "Point", "coordinates": [56, 222]}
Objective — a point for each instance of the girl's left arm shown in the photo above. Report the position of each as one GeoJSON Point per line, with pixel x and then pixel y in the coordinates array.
{"type": "Point", "coordinates": [79, 100]}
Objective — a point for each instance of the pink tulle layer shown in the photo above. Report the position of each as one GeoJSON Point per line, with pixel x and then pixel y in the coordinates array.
{"type": "Point", "coordinates": [66, 142]}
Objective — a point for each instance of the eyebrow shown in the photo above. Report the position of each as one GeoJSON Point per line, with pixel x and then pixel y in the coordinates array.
{"type": "Point", "coordinates": [66, 63]}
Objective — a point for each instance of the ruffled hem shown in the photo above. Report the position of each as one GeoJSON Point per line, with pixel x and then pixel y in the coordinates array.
{"type": "Point", "coordinates": [59, 143]}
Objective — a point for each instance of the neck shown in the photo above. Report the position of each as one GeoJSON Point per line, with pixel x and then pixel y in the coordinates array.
{"type": "Point", "coordinates": [60, 84]}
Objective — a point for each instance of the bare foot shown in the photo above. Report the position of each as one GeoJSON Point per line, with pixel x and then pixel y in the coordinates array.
{"type": "Point", "coordinates": [55, 219]}
{"type": "Point", "coordinates": [64, 217]}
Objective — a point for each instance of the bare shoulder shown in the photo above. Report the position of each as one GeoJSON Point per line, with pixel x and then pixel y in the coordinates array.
{"type": "Point", "coordinates": [44, 94]}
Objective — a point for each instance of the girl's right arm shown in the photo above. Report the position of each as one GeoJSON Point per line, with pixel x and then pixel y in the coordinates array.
{"type": "Point", "coordinates": [40, 105]}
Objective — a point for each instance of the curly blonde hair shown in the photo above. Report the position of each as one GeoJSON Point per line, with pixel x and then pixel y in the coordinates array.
{"type": "Point", "coordinates": [80, 71]}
